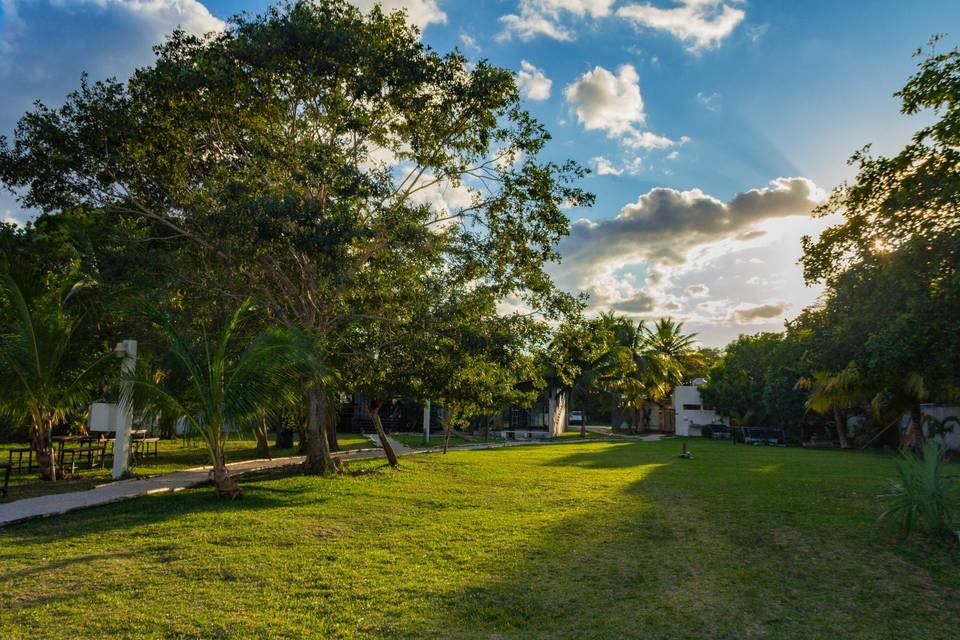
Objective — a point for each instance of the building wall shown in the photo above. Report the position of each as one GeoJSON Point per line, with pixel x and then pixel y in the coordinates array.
{"type": "Point", "coordinates": [690, 413]}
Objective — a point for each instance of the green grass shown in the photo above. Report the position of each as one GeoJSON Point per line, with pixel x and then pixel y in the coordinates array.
{"type": "Point", "coordinates": [173, 455]}
{"type": "Point", "coordinates": [436, 440]}
{"type": "Point", "coordinates": [575, 540]}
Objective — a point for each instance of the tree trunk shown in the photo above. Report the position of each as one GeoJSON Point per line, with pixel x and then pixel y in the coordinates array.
{"type": "Point", "coordinates": [302, 447]}
{"type": "Point", "coordinates": [447, 425]}
{"type": "Point", "coordinates": [330, 424]}
{"type": "Point", "coordinates": [913, 438]}
{"type": "Point", "coordinates": [263, 444]}
{"type": "Point", "coordinates": [841, 427]}
{"type": "Point", "coordinates": [318, 459]}
{"type": "Point", "coordinates": [46, 454]}
{"type": "Point", "coordinates": [225, 484]}
{"type": "Point", "coordinates": [387, 447]}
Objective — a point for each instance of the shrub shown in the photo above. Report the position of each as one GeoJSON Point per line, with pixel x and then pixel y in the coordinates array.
{"type": "Point", "coordinates": [707, 431]}
{"type": "Point", "coordinates": [922, 498]}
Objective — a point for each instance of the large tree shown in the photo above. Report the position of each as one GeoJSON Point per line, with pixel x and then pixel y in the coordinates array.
{"type": "Point", "coordinates": [297, 145]}
{"type": "Point", "coordinates": [890, 264]}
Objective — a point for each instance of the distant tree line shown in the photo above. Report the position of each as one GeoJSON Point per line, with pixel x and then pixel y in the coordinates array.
{"type": "Point", "coordinates": [884, 337]}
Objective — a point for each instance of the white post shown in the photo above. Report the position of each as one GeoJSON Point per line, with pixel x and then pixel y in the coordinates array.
{"type": "Point", "coordinates": [426, 423]}
{"type": "Point", "coordinates": [121, 446]}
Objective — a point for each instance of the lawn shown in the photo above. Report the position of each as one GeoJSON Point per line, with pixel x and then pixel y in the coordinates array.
{"type": "Point", "coordinates": [436, 440]}
{"type": "Point", "coordinates": [572, 540]}
{"type": "Point", "coordinates": [173, 455]}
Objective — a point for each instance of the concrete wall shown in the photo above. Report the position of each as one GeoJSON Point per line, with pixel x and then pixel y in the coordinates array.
{"type": "Point", "coordinates": [689, 421]}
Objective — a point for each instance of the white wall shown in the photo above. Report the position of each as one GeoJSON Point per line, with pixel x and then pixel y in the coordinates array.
{"type": "Point", "coordinates": [689, 421]}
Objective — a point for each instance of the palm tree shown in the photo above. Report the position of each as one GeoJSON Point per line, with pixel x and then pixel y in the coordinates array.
{"type": "Point", "coordinates": [41, 373]}
{"type": "Point", "coordinates": [230, 383]}
{"type": "Point", "coordinates": [834, 392]}
{"type": "Point", "coordinates": [668, 339]}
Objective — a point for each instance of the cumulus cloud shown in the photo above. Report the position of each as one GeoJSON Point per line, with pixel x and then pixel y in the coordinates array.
{"type": "Point", "coordinates": [640, 302]}
{"type": "Point", "coordinates": [611, 102]}
{"type": "Point", "coordinates": [422, 13]}
{"type": "Point", "coordinates": [700, 24]}
{"type": "Point", "coordinates": [761, 312]}
{"type": "Point", "coordinates": [604, 100]}
{"type": "Point", "coordinates": [533, 82]}
{"type": "Point", "coordinates": [549, 18]}
{"type": "Point", "coordinates": [666, 232]}
{"type": "Point", "coordinates": [604, 167]}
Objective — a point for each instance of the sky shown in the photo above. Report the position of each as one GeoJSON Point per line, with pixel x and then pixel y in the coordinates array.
{"type": "Point", "coordinates": [712, 127]}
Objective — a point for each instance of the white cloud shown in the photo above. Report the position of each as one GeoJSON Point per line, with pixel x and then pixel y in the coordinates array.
{"type": "Point", "coordinates": [701, 24]}
{"type": "Point", "coordinates": [469, 42]}
{"type": "Point", "coordinates": [646, 140]}
{"type": "Point", "coordinates": [547, 18]}
{"type": "Point", "coordinates": [422, 13]}
{"type": "Point", "coordinates": [667, 233]}
{"type": "Point", "coordinates": [533, 82]}
{"type": "Point", "coordinates": [710, 102]}
{"type": "Point", "coordinates": [604, 167]}
{"type": "Point", "coordinates": [673, 155]}
{"type": "Point", "coordinates": [607, 101]}
{"type": "Point", "coordinates": [611, 102]}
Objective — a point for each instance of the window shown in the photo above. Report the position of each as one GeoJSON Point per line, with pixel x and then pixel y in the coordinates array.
{"type": "Point", "coordinates": [691, 407]}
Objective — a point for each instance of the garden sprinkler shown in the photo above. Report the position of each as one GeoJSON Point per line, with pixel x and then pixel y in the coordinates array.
{"type": "Point", "coordinates": [686, 455]}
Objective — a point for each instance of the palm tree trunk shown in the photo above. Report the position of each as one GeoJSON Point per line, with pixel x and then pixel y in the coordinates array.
{"type": "Point", "coordinates": [387, 447]}
{"type": "Point", "coordinates": [913, 438]}
{"type": "Point", "coordinates": [318, 459]}
{"type": "Point", "coordinates": [841, 427]}
{"type": "Point", "coordinates": [46, 455]}
{"type": "Point", "coordinates": [263, 444]}
{"type": "Point", "coordinates": [224, 482]}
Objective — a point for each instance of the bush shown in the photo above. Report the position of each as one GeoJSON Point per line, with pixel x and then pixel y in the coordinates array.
{"type": "Point", "coordinates": [707, 431]}
{"type": "Point", "coordinates": [922, 498]}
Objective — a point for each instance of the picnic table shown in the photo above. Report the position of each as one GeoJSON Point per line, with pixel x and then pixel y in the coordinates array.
{"type": "Point", "coordinates": [92, 449]}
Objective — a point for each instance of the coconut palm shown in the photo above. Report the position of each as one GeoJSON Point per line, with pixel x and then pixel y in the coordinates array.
{"type": "Point", "coordinates": [226, 384]}
{"type": "Point", "coordinates": [833, 392]}
{"type": "Point", "coordinates": [668, 339]}
{"type": "Point", "coordinates": [43, 372]}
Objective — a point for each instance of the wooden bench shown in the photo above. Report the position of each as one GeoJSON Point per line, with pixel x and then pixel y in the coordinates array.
{"type": "Point", "coordinates": [6, 477]}
{"type": "Point", "coordinates": [19, 464]}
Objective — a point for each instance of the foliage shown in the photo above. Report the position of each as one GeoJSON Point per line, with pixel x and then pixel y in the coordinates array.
{"type": "Point", "coordinates": [226, 383]}
{"type": "Point", "coordinates": [46, 375]}
{"type": "Point", "coordinates": [923, 498]}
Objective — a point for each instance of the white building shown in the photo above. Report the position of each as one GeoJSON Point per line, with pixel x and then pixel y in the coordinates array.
{"type": "Point", "coordinates": [689, 412]}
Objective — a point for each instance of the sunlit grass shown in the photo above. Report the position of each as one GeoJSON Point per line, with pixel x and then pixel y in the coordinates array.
{"type": "Point", "coordinates": [594, 540]}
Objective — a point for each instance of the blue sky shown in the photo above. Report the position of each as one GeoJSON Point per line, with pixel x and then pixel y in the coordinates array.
{"type": "Point", "coordinates": [683, 105]}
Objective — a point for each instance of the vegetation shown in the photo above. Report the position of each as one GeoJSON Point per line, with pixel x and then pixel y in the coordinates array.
{"type": "Point", "coordinates": [225, 385]}
{"type": "Point", "coordinates": [883, 338]}
{"type": "Point", "coordinates": [924, 497]}
{"type": "Point", "coordinates": [600, 540]}
{"type": "Point", "coordinates": [42, 374]}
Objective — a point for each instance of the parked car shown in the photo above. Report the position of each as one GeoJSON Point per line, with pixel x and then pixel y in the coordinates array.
{"type": "Point", "coordinates": [577, 417]}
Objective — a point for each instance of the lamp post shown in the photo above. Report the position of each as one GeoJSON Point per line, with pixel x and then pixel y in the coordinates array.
{"type": "Point", "coordinates": [121, 446]}
{"type": "Point", "coordinates": [426, 423]}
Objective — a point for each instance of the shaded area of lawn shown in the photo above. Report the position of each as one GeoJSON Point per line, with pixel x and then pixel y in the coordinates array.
{"type": "Point", "coordinates": [173, 455]}
{"type": "Point", "coordinates": [593, 540]}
